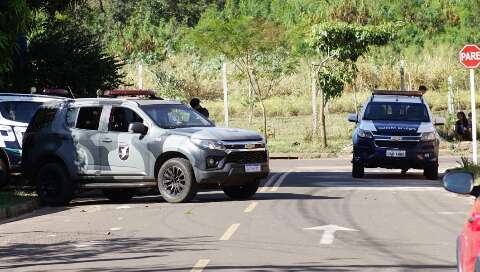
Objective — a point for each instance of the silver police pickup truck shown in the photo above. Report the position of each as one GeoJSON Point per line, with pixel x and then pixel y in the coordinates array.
{"type": "Point", "coordinates": [119, 145]}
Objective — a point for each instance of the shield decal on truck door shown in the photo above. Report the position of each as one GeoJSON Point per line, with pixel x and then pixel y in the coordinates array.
{"type": "Point", "coordinates": [123, 151]}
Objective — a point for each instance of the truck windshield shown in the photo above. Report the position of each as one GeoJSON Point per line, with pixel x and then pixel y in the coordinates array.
{"type": "Point", "coordinates": [175, 116]}
{"type": "Point", "coordinates": [394, 111]}
{"type": "Point", "coordinates": [19, 111]}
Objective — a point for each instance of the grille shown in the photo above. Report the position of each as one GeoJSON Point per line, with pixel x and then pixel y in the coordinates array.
{"type": "Point", "coordinates": [396, 144]}
{"type": "Point", "coordinates": [396, 133]}
{"type": "Point", "coordinates": [247, 157]}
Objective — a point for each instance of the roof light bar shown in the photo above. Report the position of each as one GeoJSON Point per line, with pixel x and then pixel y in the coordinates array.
{"type": "Point", "coordinates": [403, 93]}
{"type": "Point", "coordinates": [130, 93]}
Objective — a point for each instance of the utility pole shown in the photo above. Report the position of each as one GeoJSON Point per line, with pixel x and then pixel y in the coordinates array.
{"type": "Point", "coordinates": [225, 93]}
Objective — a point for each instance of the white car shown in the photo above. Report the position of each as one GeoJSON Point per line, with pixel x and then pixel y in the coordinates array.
{"type": "Point", "coordinates": [16, 111]}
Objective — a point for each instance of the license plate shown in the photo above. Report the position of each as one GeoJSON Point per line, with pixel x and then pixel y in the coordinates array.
{"type": "Point", "coordinates": [252, 168]}
{"type": "Point", "coordinates": [396, 153]}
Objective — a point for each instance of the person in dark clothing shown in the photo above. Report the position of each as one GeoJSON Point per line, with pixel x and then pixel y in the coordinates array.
{"type": "Point", "coordinates": [422, 89]}
{"type": "Point", "coordinates": [195, 104]}
{"type": "Point", "coordinates": [461, 127]}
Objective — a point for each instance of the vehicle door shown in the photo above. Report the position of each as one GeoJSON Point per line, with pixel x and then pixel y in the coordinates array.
{"type": "Point", "coordinates": [469, 241]}
{"type": "Point", "coordinates": [123, 153]}
{"type": "Point", "coordinates": [84, 123]}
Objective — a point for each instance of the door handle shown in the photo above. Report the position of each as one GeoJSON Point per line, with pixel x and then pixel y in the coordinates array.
{"type": "Point", "coordinates": [106, 140]}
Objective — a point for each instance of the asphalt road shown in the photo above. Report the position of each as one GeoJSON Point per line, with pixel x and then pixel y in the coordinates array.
{"type": "Point", "coordinates": [310, 215]}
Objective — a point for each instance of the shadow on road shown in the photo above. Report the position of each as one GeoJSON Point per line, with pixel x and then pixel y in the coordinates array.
{"type": "Point", "coordinates": [295, 268]}
{"type": "Point", "coordinates": [21, 255]}
{"type": "Point", "coordinates": [343, 179]}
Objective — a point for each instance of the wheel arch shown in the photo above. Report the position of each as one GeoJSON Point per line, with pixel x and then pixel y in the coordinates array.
{"type": "Point", "coordinates": [4, 157]}
{"type": "Point", "coordinates": [167, 156]}
{"type": "Point", "coordinates": [42, 160]}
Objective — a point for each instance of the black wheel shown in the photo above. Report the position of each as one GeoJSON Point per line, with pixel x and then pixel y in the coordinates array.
{"type": "Point", "coordinates": [54, 186]}
{"type": "Point", "coordinates": [241, 192]}
{"type": "Point", "coordinates": [176, 181]}
{"type": "Point", "coordinates": [431, 172]}
{"type": "Point", "coordinates": [119, 195]}
{"type": "Point", "coordinates": [4, 176]}
{"type": "Point", "coordinates": [358, 170]}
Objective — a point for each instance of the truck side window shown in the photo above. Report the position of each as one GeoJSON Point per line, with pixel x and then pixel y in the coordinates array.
{"type": "Point", "coordinates": [42, 119]}
{"type": "Point", "coordinates": [121, 118]}
{"type": "Point", "coordinates": [89, 118]}
{"type": "Point", "coordinates": [71, 117]}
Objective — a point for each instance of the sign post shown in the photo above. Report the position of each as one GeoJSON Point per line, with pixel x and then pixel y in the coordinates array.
{"type": "Point", "coordinates": [469, 56]}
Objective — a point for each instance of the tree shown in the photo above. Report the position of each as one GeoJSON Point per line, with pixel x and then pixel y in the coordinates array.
{"type": "Point", "coordinates": [14, 19]}
{"type": "Point", "coordinates": [66, 56]}
{"type": "Point", "coordinates": [257, 47]}
{"type": "Point", "coordinates": [338, 46]}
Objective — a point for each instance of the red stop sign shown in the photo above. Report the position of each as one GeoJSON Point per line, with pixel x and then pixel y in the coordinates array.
{"type": "Point", "coordinates": [469, 56]}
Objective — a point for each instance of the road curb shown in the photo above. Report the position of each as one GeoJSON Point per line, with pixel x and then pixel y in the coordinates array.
{"type": "Point", "coordinates": [19, 209]}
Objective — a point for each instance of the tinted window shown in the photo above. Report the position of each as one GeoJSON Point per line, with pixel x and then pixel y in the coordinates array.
{"type": "Point", "coordinates": [71, 117]}
{"type": "Point", "coordinates": [19, 111]}
{"type": "Point", "coordinates": [43, 118]}
{"type": "Point", "coordinates": [89, 118]}
{"type": "Point", "coordinates": [396, 112]}
{"type": "Point", "coordinates": [120, 119]}
{"type": "Point", "coordinates": [175, 116]}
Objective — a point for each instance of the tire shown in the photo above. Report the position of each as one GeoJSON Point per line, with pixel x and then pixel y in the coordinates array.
{"type": "Point", "coordinates": [176, 181]}
{"type": "Point", "coordinates": [53, 184]}
{"type": "Point", "coordinates": [431, 172]}
{"type": "Point", "coordinates": [119, 195]}
{"type": "Point", "coordinates": [4, 175]}
{"type": "Point", "coordinates": [358, 170]}
{"type": "Point", "coordinates": [242, 192]}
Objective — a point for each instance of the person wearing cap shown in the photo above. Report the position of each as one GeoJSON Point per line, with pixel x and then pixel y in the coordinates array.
{"type": "Point", "coordinates": [195, 104]}
{"type": "Point", "coordinates": [422, 89]}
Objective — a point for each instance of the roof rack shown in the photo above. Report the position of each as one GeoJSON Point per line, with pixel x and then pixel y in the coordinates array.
{"type": "Point", "coordinates": [404, 93]}
{"type": "Point", "coordinates": [136, 93]}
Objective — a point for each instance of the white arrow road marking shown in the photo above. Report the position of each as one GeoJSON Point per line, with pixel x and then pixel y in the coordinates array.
{"type": "Point", "coordinates": [251, 207]}
{"type": "Point", "coordinates": [200, 265]}
{"type": "Point", "coordinates": [268, 183]}
{"type": "Point", "coordinates": [230, 231]}
{"type": "Point", "coordinates": [329, 232]}
{"type": "Point", "coordinates": [279, 181]}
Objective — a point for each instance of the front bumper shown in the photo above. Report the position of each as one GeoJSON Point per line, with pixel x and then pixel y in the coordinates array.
{"type": "Point", "coordinates": [418, 155]}
{"type": "Point", "coordinates": [231, 174]}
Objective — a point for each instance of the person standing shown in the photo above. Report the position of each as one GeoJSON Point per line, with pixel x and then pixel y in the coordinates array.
{"type": "Point", "coordinates": [422, 89]}
{"type": "Point", "coordinates": [195, 104]}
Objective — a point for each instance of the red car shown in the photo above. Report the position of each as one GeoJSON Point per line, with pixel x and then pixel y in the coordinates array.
{"type": "Point", "coordinates": [468, 243]}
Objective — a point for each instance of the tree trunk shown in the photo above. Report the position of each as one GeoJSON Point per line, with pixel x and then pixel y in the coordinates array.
{"type": "Point", "coordinates": [100, 5]}
{"type": "Point", "coordinates": [250, 105]}
{"type": "Point", "coordinates": [314, 106]}
{"type": "Point", "coordinates": [264, 115]}
{"type": "Point", "coordinates": [355, 101]}
{"type": "Point", "coordinates": [322, 118]}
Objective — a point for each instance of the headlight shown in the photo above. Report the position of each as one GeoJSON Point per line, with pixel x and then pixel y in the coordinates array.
{"type": "Point", "coordinates": [208, 144]}
{"type": "Point", "coordinates": [365, 133]}
{"type": "Point", "coordinates": [428, 136]}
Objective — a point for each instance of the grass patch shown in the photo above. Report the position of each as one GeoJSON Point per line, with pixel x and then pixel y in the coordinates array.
{"type": "Point", "coordinates": [10, 198]}
{"type": "Point", "coordinates": [293, 134]}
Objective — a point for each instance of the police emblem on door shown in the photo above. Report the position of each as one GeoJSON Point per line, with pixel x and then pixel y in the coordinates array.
{"type": "Point", "coordinates": [123, 151]}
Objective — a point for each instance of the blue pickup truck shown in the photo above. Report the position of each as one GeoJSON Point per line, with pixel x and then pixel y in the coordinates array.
{"type": "Point", "coordinates": [395, 130]}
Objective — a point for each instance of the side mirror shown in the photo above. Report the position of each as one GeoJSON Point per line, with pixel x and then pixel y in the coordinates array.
{"type": "Point", "coordinates": [137, 127]}
{"type": "Point", "coordinates": [439, 121]}
{"type": "Point", "coordinates": [352, 117]}
{"type": "Point", "coordinates": [460, 182]}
